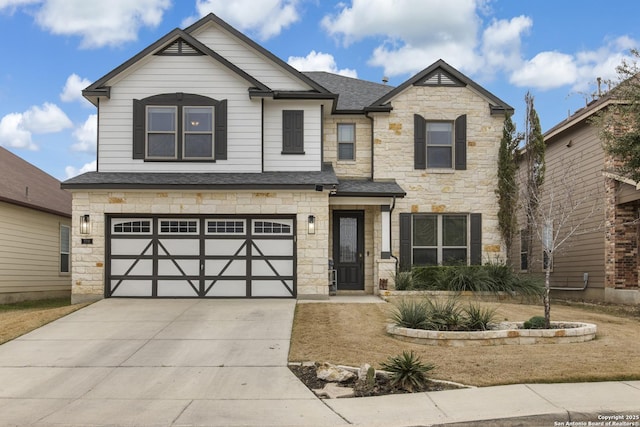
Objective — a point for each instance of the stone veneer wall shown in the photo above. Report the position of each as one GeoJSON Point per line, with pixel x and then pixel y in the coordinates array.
{"type": "Point", "coordinates": [437, 190]}
{"type": "Point", "coordinates": [88, 261]}
{"type": "Point", "coordinates": [361, 166]}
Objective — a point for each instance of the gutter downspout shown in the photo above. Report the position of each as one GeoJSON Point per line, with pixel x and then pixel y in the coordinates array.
{"type": "Point", "coordinates": [372, 163]}
{"type": "Point", "coordinates": [561, 288]}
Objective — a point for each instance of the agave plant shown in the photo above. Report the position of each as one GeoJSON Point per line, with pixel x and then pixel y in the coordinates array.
{"type": "Point", "coordinates": [407, 371]}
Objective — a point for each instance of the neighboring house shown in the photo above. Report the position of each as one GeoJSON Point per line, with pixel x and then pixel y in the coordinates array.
{"type": "Point", "coordinates": [35, 232]}
{"type": "Point", "coordinates": [600, 262]}
{"type": "Point", "coordinates": [224, 172]}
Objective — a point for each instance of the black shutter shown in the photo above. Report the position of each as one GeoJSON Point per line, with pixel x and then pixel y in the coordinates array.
{"type": "Point", "coordinates": [476, 239]}
{"type": "Point", "coordinates": [405, 241]}
{"type": "Point", "coordinates": [220, 139]}
{"type": "Point", "coordinates": [138, 129]}
{"type": "Point", "coordinates": [419, 142]}
{"type": "Point", "coordinates": [461, 142]}
{"type": "Point", "coordinates": [293, 131]}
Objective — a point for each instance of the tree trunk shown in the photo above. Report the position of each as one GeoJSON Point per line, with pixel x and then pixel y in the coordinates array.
{"type": "Point", "coordinates": [545, 298]}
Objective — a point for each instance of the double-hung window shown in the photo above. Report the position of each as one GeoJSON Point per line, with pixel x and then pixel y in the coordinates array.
{"type": "Point", "coordinates": [440, 145]}
{"type": "Point", "coordinates": [65, 249]}
{"type": "Point", "coordinates": [346, 141]}
{"type": "Point", "coordinates": [179, 132]}
{"type": "Point", "coordinates": [440, 239]}
{"type": "Point", "coordinates": [179, 127]}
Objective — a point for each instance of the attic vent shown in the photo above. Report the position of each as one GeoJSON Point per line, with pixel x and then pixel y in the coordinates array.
{"type": "Point", "coordinates": [180, 47]}
{"type": "Point", "coordinates": [440, 78]}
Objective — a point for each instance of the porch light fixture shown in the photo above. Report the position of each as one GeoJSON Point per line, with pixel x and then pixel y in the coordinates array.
{"type": "Point", "coordinates": [312, 225]}
{"type": "Point", "coordinates": [85, 224]}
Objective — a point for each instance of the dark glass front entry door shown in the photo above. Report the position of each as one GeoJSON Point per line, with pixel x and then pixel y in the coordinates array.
{"type": "Point", "coordinates": [348, 247]}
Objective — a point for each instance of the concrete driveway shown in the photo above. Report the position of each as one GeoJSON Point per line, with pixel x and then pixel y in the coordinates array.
{"type": "Point", "coordinates": [159, 363]}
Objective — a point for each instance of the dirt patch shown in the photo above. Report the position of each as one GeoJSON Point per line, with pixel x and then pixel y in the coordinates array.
{"type": "Point", "coordinates": [17, 322]}
{"type": "Point", "coordinates": [353, 334]}
{"type": "Point", "coordinates": [382, 386]}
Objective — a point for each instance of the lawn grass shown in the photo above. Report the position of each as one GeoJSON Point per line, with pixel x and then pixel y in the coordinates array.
{"type": "Point", "coordinates": [17, 319]}
{"type": "Point", "coordinates": [353, 334]}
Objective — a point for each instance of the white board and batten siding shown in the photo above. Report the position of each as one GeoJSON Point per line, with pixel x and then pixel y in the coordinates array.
{"type": "Point", "coordinates": [248, 59]}
{"type": "Point", "coordinates": [30, 253]}
{"type": "Point", "coordinates": [274, 160]}
{"type": "Point", "coordinates": [200, 75]}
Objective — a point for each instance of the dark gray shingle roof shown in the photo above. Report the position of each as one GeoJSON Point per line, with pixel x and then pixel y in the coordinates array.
{"type": "Point", "coordinates": [364, 188]}
{"type": "Point", "coordinates": [220, 181]}
{"type": "Point", "coordinates": [354, 94]}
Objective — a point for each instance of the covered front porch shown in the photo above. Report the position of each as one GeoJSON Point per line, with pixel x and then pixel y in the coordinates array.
{"type": "Point", "coordinates": [360, 234]}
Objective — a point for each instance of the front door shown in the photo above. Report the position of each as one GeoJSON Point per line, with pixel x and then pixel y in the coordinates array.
{"type": "Point", "coordinates": [348, 247]}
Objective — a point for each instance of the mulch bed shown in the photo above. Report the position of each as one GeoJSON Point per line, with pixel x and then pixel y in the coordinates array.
{"type": "Point", "coordinates": [382, 386]}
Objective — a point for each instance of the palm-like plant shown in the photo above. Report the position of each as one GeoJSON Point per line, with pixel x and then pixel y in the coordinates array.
{"type": "Point", "coordinates": [407, 371]}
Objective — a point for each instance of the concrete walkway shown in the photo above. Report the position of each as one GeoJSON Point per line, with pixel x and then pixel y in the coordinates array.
{"type": "Point", "coordinates": [138, 362]}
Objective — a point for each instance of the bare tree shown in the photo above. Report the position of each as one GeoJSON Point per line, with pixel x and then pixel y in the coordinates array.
{"type": "Point", "coordinates": [562, 211]}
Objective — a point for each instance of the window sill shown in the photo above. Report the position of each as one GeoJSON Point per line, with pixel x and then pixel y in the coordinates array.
{"type": "Point", "coordinates": [292, 152]}
{"type": "Point", "coordinates": [440, 171]}
{"type": "Point", "coordinates": [347, 162]}
{"type": "Point", "coordinates": [180, 160]}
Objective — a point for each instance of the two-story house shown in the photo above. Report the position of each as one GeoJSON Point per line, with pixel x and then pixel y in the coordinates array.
{"type": "Point", "coordinates": [599, 262]}
{"type": "Point", "coordinates": [224, 172]}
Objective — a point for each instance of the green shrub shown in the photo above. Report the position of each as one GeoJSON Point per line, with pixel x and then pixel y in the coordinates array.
{"type": "Point", "coordinates": [491, 277]}
{"type": "Point", "coordinates": [536, 322]}
{"type": "Point", "coordinates": [478, 318]}
{"type": "Point", "coordinates": [407, 371]}
{"type": "Point", "coordinates": [410, 313]}
{"type": "Point", "coordinates": [403, 280]}
{"type": "Point", "coordinates": [444, 315]}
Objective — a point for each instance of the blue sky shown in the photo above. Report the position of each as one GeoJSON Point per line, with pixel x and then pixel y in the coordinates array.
{"type": "Point", "coordinates": [52, 49]}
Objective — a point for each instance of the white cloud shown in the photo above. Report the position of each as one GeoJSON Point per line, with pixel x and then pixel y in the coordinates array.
{"type": "Point", "coordinates": [72, 90]}
{"type": "Point", "coordinates": [318, 61]}
{"type": "Point", "coordinates": [72, 171]}
{"type": "Point", "coordinates": [100, 23]}
{"type": "Point", "coordinates": [546, 70]}
{"type": "Point", "coordinates": [13, 4]}
{"type": "Point", "coordinates": [16, 129]}
{"type": "Point", "coordinates": [415, 33]}
{"type": "Point", "coordinates": [265, 17]}
{"type": "Point", "coordinates": [86, 135]}
{"type": "Point", "coordinates": [12, 134]}
{"type": "Point", "coordinates": [501, 41]}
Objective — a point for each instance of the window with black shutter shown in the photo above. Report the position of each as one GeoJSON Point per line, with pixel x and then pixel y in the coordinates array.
{"type": "Point", "coordinates": [440, 144]}
{"type": "Point", "coordinates": [179, 127]}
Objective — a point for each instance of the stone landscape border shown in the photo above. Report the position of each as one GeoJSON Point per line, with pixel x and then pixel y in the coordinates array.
{"type": "Point", "coordinates": [505, 333]}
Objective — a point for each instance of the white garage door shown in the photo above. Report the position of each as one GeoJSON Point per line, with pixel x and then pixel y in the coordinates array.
{"type": "Point", "coordinates": [201, 257]}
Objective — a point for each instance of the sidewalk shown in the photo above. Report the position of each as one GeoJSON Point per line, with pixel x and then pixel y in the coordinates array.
{"type": "Point", "coordinates": [575, 404]}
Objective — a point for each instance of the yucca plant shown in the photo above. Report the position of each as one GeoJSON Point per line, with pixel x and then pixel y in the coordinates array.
{"type": "Point", "coordinates": [403, 280]}
{"type": "Point", "coordinates": [444, 315]}
{"type": "Point", "coordinates": [478, 318]}
{"type": "Point", "coordinates": [407, 371]}
{"type": "Point", "coordinates": [410, 313]}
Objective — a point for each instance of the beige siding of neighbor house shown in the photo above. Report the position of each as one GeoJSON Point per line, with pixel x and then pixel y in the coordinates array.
{"type": "Point", "coordinates": [577, 157]}
{"type": "Point", "coordinates": [312, 249]}
{"type": "Point", "coordinates": [360, 167]}
{"type": "Point", "coordinates": [30, 254]}
{"type": "Point", "coordinates": [439, 190]}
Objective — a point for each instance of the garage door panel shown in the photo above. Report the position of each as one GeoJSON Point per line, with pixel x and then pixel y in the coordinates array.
{"type": "Point", "coordinates": [274, 247]}
{"type": "Point", "coordinates": [177, 288]}
{"type": "Point", "coordinates": [217, 267]}
{"type": "Point", "coordinates": [271, 288]}
{"type": "Point", "coordinates": [217, 247]}
{"type": "Point", "coordinates": [173, 267]}
{"type": "Point", "coordinates": [131, 247]}
{"type": "Point", "coordinates": [228, 288]}
{"type": "Point", "coordinates": [131, 267]}
{"type": "Point", "coordinates": [272, 268]}
{"type": "Point", "coordinates": [131, 288]}
{"type": "Point", "coordinates": [179, 247]}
